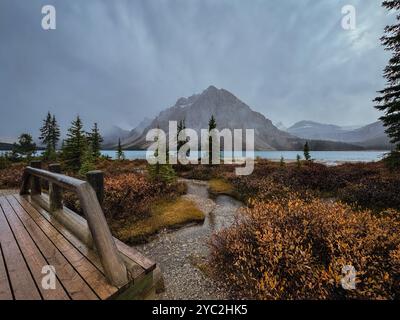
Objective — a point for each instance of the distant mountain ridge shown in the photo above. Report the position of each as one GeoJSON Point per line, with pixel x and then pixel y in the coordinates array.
{"type": "Point", "coordinates": [231, 113]}
{"type": "Point", "coordinates": [5, 146]}
{"type": "Point", "coordinates": [371, 136]}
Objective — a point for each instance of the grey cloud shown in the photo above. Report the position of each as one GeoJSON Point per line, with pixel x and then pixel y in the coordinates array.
{"type": "Point", "coordinates": [116, 62]}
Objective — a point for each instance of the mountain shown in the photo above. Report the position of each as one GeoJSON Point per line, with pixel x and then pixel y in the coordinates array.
{"type": "Point", "coordinates": [315, 130]}
{"type": "Point", "coordinates": [231, 113]}
{"type": "Point", "coordinates": [281, 126]}
{"type": "Point", "coordinates": [110, 137]}
{"type": "Point", "coordinates": [5, 146]}
{"type": "Point", "coordinates": [371, 136]}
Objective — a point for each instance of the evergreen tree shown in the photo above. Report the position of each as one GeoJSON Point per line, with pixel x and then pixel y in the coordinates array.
{"type": "Point", "coordinates": [298, 161]}
{"type": "Point", "coordinates": [45, 133]}
{"type": "Point", "coordinates": [95, 139]}
{"type": "Point", "coordinates": [389, 99]}
{"type": "Point", "coordinates": [306, 152]}
{"type": "Point", "coordinates": [212, 124]}
{"type": "Point", "coordinates": [55, 133]}
{"type": "Point", "coordinates": [120, 152]}
{"type": "Point", "coordinates": [25, 146]}
{"type": "Point", "coordinates": [88, 161]}
{"type": "Point", "coordinates": [75, 145]}
{"type": "Point", "coordinates": [50, 135]}
{"type": "Point", "coordinates": [181, 127]}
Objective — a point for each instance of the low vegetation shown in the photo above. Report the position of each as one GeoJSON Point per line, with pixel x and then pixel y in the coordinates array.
{"type": "Point", "coordinates": [163, 214]}
{"type": "Point", "coordinates": [301, 226]}
{"type": "Point", "coordinates": [296, 249]}
{"type": "Point", "coordinates": [221, 186]}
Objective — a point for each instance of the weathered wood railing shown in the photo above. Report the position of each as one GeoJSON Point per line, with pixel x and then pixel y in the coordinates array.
{"type": "Point", "coordinates": [100, 235]}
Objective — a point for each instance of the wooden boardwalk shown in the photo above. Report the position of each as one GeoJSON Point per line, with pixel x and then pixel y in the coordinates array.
{"type": "Point", "coordinates": [32, 240]}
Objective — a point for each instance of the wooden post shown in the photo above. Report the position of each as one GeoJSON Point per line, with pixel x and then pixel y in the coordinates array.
{"type": "Point", "coordinates": [55, 192]}
{"type": "Point", "coordinates": [96, 180]}
{"type": "Point", "coordinates": [36, 188]}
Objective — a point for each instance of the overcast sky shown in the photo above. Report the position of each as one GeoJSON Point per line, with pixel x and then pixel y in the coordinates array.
{"type": "Point", "coordinates": [116, 62]}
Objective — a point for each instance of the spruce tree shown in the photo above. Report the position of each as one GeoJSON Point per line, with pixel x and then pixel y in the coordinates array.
{"type": "Point", "coordinates": [75, 145]}
{"type": "Point", "coordinates": [181, 127]}
{"type": "Point", "coordinates": [120, 152]}
{"type": "Point", "coordinates": [298, 161]}
{"type": "Point", "coordinates": [55, 133]}
{"type": "Point", "coordinates": [50, 135]}
{"type": "Point", "coordinates": [212, 124]}
{"type": "Point", "coordinates": [88, 161]}
{"type": "Point", "coordinates": [45, 135]}
{"type": "Point", "coordinates": [95, 139]}
{"type": "Point", "coordinates": [306, 152]}
{"type": "Point", "coordinates": [389, 99]}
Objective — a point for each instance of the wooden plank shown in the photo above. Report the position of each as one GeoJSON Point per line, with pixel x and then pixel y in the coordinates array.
{"type": "Point", "coordinates": [5, 290]}
{"type": "Point", "coordinates": [76, 287]}
{"type": "Point", "coordinates": [22, 283]}
{"type": "Point", "coordinates": [85, 268]}
{"type": "Point", "coordinates": [32, 255]}
{"type": "Point", "coordinates": [113, 266]}
{"type": "Point", "coordinates": [83, 248]}
{"type": "Point", "coordinates": [134, 269]}
{"type": "Point", "coordinates": [136, 256]}
{"type": "Point", "coordinates": [79, 225]}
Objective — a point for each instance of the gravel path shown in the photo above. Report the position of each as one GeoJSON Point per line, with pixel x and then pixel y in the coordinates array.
{"type": "Point", "coordinates": [180, 253]}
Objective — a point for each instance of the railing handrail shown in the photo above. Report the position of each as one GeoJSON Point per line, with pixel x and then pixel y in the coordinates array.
{"type": "Point", "coordinates": [114, 268]}
{"type": "Point", "coordinates": [62, 180]}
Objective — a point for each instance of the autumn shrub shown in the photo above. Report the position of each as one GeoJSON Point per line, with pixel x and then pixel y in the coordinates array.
{"type": "Point", "coordinates": [10, 177]}
{"type": "Point", "coordinates": [113, 167]}
{"type": "Point", "coordinates": [129, 194]}
{"type": "Point", "coordinates": [297, 249]}
{"type": "Point", "coordinates": [376, 193]}
{"type": "Point", "coordinates": [203, 172]}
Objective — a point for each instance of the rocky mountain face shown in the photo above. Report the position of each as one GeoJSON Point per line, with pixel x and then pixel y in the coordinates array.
{"type": "Point", "coordinates": [371, 136]}
{"type": "Point", "coordinates": [229, 112]}
{"type": "Point", "coordinates": [110, 137]}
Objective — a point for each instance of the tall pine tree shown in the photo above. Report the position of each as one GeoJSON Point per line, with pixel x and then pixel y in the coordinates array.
{"type": "Point", "coordinates": [75, 145]}
{"type": "Point", "coordinates": [95, 139]}
{"type": "Point", "coordinates": [50, 135]}
{"type": "Point", "coordinates": [389, 99]}
{"type": "Point", "coordinates": [55, 133]}
{"type": "Point", "coordinates": [306, 152]}
{"type": "Point", "coordinates": [212, 124]}
{"type": "Point", "coordinates": [120, 152]}
{"type": "Point", "coordinates": [45, 131]}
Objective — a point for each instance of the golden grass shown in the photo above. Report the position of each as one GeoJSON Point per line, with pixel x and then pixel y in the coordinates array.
{"type": "Point", "coordinates": [164, 214]}
{"type": "Point", "coordinates": [220, 186]}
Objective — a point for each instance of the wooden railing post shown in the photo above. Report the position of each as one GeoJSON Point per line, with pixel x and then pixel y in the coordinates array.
{"type": "Point", "coordinates": [55, 192]}
{"type": "Point", "coordinates": [36, 188]}
{"type": "Point", "coordinates": [96, 180]}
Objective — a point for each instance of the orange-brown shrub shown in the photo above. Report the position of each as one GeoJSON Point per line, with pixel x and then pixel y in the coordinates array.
{"type": "Point", "coordinates": [129, 195]}
{"type": "Point", "coordinates": [11, 176]}
{"type": "Point", "coordinates": [296, 250]}
{"type": "Point", "coordinates": [376, 192]}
